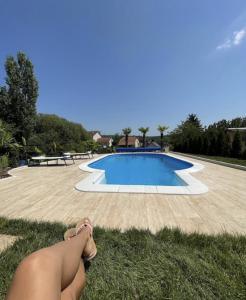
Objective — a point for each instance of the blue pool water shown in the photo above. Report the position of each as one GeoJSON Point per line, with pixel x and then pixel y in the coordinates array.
{"type": "Point", "coordinates": [141, 169]}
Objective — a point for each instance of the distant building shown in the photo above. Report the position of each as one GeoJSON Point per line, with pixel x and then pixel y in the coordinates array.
{"type": "Point", "coordinates": [132, 142]}
{"type": "Point", "coordinates": [104, 141]}
{"type": "Point", "coordinates": [96, 135]}
{"type": "Point", "coordinates": [152, 144]}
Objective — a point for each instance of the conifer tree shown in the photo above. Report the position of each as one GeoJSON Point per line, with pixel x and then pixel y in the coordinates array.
{"type": "Point", "coordinates": [18, 98]}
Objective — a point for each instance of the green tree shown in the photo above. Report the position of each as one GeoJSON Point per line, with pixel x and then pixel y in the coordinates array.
{"type": "Point", "coordinates": [8, 146]}
{"type": "Point", "coordinates": [4, 162]}
{"type": "Point", "coordinates": [126, 132]}
{"type": "Point", "coordinates": [144, 131]}
{"type": "Point", "coordinates": [18, 98]}
{"type": "Point", "coordinates": [67, 136]}
{"type": "Point", "coordinates": [192, 119]}
{"type": "Point", "coordinates": [187, 137]}
{"type": "Point", "coordinates": [236, 145]}
{"type": "Point", "coordinates": [222, 143]}
{"type": "Point", "coordinates": [238, 122]}
{"type": "Point", "coordinates": [190, 136]}
{"type": "Point", "coordinates": [162, 129]}
{"type": "Point", "coordinates": [7, 141]}
{"type": "Point", "coordinates": [116, 139]}
{"type": "Point", "coordinates": [90, 145]}
{"type": "Point", "coordinates": [4, 104]}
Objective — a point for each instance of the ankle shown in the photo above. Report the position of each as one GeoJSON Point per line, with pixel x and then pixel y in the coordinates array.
{"type": "Point", "coordinates": [85, 232]}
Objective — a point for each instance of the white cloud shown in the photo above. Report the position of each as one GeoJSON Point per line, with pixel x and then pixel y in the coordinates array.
{"type": "Point", "coordinates": [226, 44]}
{"type": "Point", "coordinates": [235, 40]}
{"type": "Point", "coordinates": [238, 36]}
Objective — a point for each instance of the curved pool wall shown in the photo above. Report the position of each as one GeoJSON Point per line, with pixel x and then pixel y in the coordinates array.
{"type": "Point", "coordinates": [139, 149]}
{"type": "Point", "coordinates": [141, 169]}
{"type": "Point", "coordinates": [181, 181]}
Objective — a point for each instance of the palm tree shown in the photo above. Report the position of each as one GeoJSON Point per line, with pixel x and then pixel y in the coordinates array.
{"type": "Point", "coordinates": [126, 132]}
{"type": "Point", "coordinates": [143, 130]}
{"type": "Point", "coordinates": [162, 129]}
{"type": "Point", "coordinates": [7, 142]}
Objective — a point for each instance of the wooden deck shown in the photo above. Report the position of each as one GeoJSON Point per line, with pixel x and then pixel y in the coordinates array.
{"type": "Point", "coordinates": [47, 193]}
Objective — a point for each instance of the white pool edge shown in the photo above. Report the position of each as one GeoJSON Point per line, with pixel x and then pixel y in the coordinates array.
{"type": "Point", "coordinates": [194, 186]}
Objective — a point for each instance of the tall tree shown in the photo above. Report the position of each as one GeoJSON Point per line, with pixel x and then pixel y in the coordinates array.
{"type": "Point", "coordinates": [223, 143]}
{"type": "Point", "coordinates": [144, 130]}
{"type": "Point", "coordinates": [215, 139]}
{"type": "Point", "coordinates": [126, 132]}
{"type": "Point", "coordinates": [4, 104]}
{"type": "Point", "coordinates": [162, 129]}
{"type": "Point", "coordinates": [186, 136]}
{"type": "Point", "coordinates": [18, 98]}
{"type": "Point", "coordinates": [192, 119]}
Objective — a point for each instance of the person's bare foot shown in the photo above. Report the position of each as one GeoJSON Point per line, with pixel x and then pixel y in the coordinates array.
{"type": "Point", "coordinates": [84, 225]}
{"type": "Point", "coordinates": [70, 233]}
{"type": "Point", "coordinates": [90, 250]}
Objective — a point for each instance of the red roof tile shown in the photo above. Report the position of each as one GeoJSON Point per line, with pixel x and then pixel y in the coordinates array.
{"type": "Point", "coordinates": [131, 141]}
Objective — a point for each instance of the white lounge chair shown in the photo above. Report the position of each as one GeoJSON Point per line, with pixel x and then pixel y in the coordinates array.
{"type": "Point", "coordinates": [37, 160]}
{"type": "Point", "coordinates": [79, 154]}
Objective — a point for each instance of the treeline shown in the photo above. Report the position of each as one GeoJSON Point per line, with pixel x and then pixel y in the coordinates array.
{"type": "Point", "coordinates": [216, 140]}
{"type": "Point", "coordinates": [54, 135]}
{"type": "Point", "coordinates": [23, 132]}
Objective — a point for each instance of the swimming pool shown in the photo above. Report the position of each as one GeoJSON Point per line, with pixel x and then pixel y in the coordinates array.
{"type": "Point", "coordinates": [141, 169]}
{"type": "Point", "coordinates": [141, 173]}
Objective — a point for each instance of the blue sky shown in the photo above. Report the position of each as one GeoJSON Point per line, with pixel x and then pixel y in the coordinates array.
{"type": "Point", "coordinates": [112, 64]}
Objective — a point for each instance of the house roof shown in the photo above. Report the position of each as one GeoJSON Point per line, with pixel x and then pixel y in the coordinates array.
{"type": "Point", "coordinates": [93, 132]}
{"type": "Point", "coordinates": [153, 144]}
{"type": "Point", "coordinates": [131, 141]}
{"type": "Point", "coordinates": [104, 140]}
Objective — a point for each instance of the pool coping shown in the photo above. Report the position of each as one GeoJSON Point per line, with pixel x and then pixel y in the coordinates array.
{"type": "Point", "coordinates": [194, 186]}
{"type": "Point", "coordinates": [213, 161]}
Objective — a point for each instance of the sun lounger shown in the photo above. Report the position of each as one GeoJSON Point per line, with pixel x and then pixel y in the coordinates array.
{"type": "Point", "coordinates": [79, 155]}
{"type": "Point", "coordinates": [37, 160]}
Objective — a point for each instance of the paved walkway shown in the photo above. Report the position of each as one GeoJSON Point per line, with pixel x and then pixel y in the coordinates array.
{"type": "Point", "coordinates": [47, 193]}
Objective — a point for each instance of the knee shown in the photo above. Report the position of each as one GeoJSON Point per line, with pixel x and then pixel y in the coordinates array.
{"type": "Point", "coordinates": [36, 261]}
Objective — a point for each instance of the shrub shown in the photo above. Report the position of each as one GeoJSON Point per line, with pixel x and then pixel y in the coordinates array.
{"type": "Point", "coordinates": [54, 135]}
{"type": "Point", "coordinates": [89, 145]}
{"type": "Point", "coordinates": [213, 140]}
{"type": "Point", "coordinates": [103, 150]}
{"type": "Point", "coordinates": [4, 162]}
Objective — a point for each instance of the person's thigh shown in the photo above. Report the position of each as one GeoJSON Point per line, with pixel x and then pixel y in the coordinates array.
{"type": "Point", "coordinates": [32, 281]}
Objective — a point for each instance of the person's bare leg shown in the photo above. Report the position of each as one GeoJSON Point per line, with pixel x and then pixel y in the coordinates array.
{"type": "Point", "coordinates": [74, 290]}
{"type": "Point", "coordinates": [47, 272]}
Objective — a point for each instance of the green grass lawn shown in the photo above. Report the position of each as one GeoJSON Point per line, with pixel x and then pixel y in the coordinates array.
{"type": "Point", "coordinates": [229, 160]}
{"type": "Point", "coordinates": [139, 265]}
